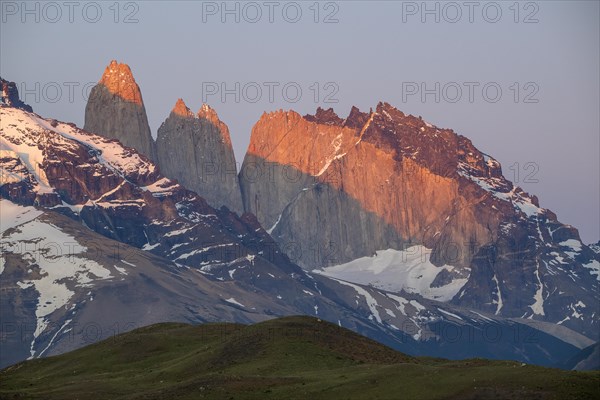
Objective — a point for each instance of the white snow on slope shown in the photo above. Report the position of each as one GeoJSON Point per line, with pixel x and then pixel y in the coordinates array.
{"type": "Point", "coordinates": [574, 247]}
{"type": "Point", "coordinates": [8, 176]}
{"type": "Point", "coordinates": [163, 186]}
{"type": "Point", "coordinates": [234, 301]}
{"type": "Point", "coordinates": [14, 215]}
{"type": "Point", "coordinates": [335, 155]}
{"type": "Point", "coordinates": [203, 250]}
{"type": "Point", "coordinates": [364, 128]}
{"type": "Point", "coordinates": [20, 132]}
{"type": "Point", "coordinates": [519, 201]}
{"type": "Point", "coordinates": [30, 155]}
{"type": "Point", "coordinates": [395, 270]}
{"type": "Point", "coordinates": [573, 244]}
{"type": "Point", "coordinates": [498, 300]}
{"type": "Point", "coordinates": [112, 154]}
{"type": "Point", "coordinates": [371, 302]}
{"type": "Point", "coordinates": [594, 266]}
{"type": "Point", "coordinates": [54, 255]}
{"type": "Point", "coordinates": [271, 229]}
{"type": "Point", "coordinates": [450, 314]}
{"type": "Point", "coordinates": [538, 305]}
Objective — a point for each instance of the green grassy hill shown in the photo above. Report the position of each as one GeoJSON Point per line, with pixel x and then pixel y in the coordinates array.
{"type": "Point", "coordinates": [285, 358]}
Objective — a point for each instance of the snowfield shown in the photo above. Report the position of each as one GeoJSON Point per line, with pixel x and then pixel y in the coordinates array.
{"type": "Point", "coordinates": [407, 270]}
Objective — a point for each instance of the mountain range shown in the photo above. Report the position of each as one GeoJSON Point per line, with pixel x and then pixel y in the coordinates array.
{"type": "Point", "coordinates": [380, 222]}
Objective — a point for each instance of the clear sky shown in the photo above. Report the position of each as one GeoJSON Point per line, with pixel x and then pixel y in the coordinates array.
{"type": "Point", "coordinates": [543, 56]}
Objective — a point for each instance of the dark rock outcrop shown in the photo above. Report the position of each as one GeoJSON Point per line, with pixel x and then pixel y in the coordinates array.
{"type": "Point", "coordinates": [196, 150]}
{"type": "Point", "coordinates": [10, 96]}
{"type": "Point", "coordinates": [115, 109]}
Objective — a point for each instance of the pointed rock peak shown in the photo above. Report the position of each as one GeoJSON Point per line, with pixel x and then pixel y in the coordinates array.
{"type": "Point", "coordinates": [9, 95]}
{"type": "Point", "coordinates": [388, 110]}
{"type": "Point", "coordinates": [355, 110]}
{"type": "Point", "coordinates": [327, 117]}
{"type": "Point", "coordinates": [181, 109]}
{"type": "Point", "coordinates": [382, 105]}
{"type": "Point", "coordinates": [209, 114]}
{"type": "Point", "coordinates": [356, 118]}
{"type": "Point", "coordinates": [118, 79]}
{"type": "Point", "coordinates": [387, 114]}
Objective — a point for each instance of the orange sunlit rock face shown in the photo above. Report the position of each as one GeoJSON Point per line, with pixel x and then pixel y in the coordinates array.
{"type": "Point", "coordinates": [369, 174]}
{"type": "Point", "coordinates": [181, 109]}
{"type": "Point", "coordinates": [115, 109]}
{"type": "Point", "coordinates": [118, 79]}
{"type": "Point", "coordinates": [383, 166]}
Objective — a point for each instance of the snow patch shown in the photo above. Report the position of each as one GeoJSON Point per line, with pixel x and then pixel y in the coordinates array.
{"type": "Point", "coordinates": [370, 300]}
{"type": "Point", "coordinates": [450, 314]}
{"type": "Point", "coordinates": [120, 270]}
{"type": "Point", "coordinates": [538, 306]}
{"type": "Point", "coordinates": [396, 270]}
{"type": "Point", "coordinates": [593, 266]}
{"type": "Point", "coordinates": [234, 301]}
{"type": "Point", "coordinates": [498, 300]}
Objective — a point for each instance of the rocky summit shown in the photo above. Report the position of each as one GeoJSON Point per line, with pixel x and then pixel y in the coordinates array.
{"type": "Point", "coordinates": [341, 190]}
{"type": "Point", "coordinates": [115, 109]}
{"type": "Point", "coordinates": [10, 96]}
{"type": "Point", "coordinates": [196, 150]}
{"type": "Point", "coordinates": [193, 148]}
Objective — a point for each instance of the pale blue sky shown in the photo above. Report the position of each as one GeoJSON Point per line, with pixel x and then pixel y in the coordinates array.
{"type": "Point", "coordinates": [374, 52]}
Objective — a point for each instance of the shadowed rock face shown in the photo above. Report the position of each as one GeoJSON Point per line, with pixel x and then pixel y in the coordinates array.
{"type": "Point", "coordinates": [312, 226]}
{"type": "Point", "coordinates": [9, 95]}
{"type": "Point", "coordinates": [385, 179]}
{"type": "Point", "coordinates": [115, 109]}
{"type": "Point", "coordinates": [196, 150]}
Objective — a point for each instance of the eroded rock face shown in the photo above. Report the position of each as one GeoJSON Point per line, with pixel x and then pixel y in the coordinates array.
{"type": "Point", "coordinates": [344, 188]}
{"type": "Point", "coordinates": [196, 150]}
{"type": "Point", "coordinates": [115, 109]}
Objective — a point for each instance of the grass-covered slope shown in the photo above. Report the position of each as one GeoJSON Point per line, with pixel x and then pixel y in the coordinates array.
{"type": "Point", "coordinates": [285, 358]}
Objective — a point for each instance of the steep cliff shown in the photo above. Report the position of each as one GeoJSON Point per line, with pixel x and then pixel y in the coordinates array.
{"type": "Point", "coordinates": [331, 190]}
{"type": "Point", "coordinates": [196, 150]}
{"type": "Point", "coordinates": [115, 109]}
